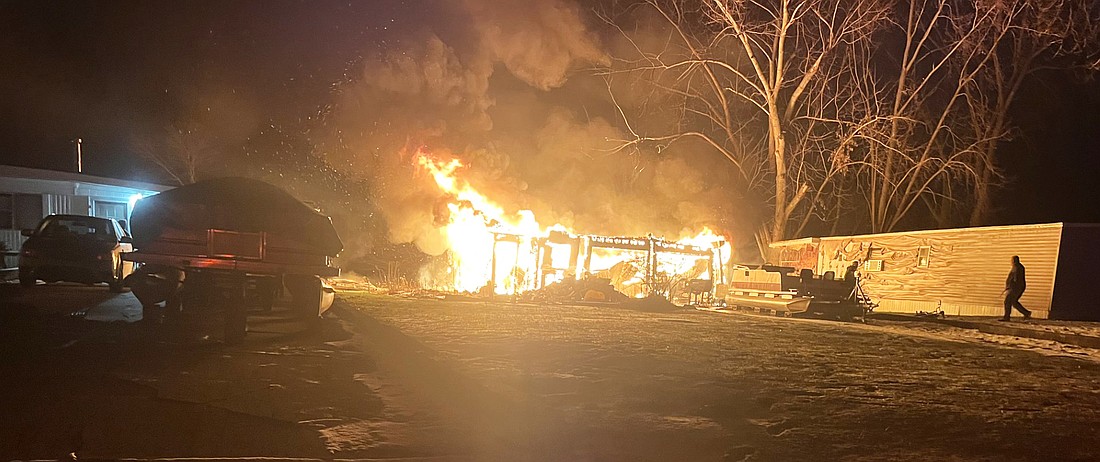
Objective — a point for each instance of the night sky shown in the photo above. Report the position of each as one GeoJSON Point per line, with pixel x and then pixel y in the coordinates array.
{"type": "Point", "coordinates": [108, 72]}
{"type": "Point", "coordinates": [1054, 160]}
{"type": "Point", "coordinates": [104, 71]}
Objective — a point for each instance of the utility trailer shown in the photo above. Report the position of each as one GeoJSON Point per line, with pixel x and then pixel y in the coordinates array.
{"type": "Point", "coordinates": [236, 242]}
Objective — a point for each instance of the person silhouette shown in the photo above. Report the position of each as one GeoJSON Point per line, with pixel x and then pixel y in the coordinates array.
{"type": "Point", "coordinates": [1014, 288]}
{"type": "Point", "coordinates": [852, 271]}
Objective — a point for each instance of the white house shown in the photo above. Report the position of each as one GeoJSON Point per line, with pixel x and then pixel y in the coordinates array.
{"type": "Point", "coordinates": [28, 194]}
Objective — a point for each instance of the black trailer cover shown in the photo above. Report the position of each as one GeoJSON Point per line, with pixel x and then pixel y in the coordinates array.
{"type": "Point", "coordinates": [234, 204]}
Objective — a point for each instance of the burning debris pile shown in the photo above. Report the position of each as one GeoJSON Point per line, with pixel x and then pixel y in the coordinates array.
{"type": "Point", "coordinates": [595, 290]}
{"type": "Point", "coordinates": [592, 289]}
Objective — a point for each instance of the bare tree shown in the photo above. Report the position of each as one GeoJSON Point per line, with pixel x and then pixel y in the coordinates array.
{"type": "Point", "coordinates": [888, 109]}
{"type": "Point", "coordinates": [922, 154]}
{"type": "Point", "coordinates": [182, 154]}
{"type": "Point", "coordinates": [757, 81]}
{"type": "Point", "coordinates": [1044, 34]}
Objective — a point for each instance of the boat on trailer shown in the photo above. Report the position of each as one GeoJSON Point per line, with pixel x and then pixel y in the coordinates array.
{"type": "Point", "coordinates": [783, 291]}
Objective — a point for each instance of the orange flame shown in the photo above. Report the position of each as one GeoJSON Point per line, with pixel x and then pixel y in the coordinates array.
{"type": "Point", "coordinates": [475, 229]}
{"type": "Point", "coordinates": [471, 229]}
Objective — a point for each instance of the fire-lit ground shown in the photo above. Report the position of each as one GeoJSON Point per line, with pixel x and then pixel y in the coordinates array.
{"type": "Point", "coordinates": [409, 379]}
{"type": "Point", "coordinates": [598, 383]}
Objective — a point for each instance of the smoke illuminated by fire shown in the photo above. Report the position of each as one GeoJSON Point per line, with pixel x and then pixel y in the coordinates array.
{"type": "Point", "coordinates": [477, 228]}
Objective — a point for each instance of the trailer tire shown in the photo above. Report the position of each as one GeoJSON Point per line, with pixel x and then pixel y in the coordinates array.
{"type": "Point", "coordinates": [265, 294]}
{"type": "Point", "coordinates": [173, 306]}
{"type": "Point", "coordinates": [236, 322]}
{"type": "Point", "coordinates": [26, 277]}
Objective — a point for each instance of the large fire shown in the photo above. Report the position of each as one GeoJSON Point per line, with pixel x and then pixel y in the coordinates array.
{"type": "Point", "coordinates": [511, 252]}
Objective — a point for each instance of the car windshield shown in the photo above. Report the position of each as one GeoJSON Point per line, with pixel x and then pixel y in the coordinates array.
{"type": "Point", "coordinates": [77, 227]}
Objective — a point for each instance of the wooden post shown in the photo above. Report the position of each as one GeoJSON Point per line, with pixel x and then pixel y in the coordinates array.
{"type": "Point", "coordinates": [493, 269]}
{"type": "Point", "coordinates": [588, 257]}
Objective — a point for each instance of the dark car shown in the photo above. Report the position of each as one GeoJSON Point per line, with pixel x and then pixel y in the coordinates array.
{"type": "Point", "coordinates": [75, 248]}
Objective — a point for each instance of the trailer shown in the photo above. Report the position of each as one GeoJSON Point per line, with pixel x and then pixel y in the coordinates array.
{"type": "Point", "coordinates": [961, 271]}
{"type": "Point", "coordinates": [235, 242]}
{"type": "Point", "coordinates": [783, 291]}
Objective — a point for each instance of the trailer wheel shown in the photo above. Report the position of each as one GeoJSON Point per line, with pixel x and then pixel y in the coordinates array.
{"type": "Point", "coordinates": [236, 322]}
{"type": "Point", "coordinates": [235, 307]}
{"type": "Point", "coordinates": [265, 293]}
{"type": "Point", "coordinates": [26, 277]}
{"type": "Point", "coordinates": [173, 306]}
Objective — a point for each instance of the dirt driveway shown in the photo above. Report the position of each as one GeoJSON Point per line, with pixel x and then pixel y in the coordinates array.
{"type": "Point", "coordinates": [404, 379]}
{"type": "Point", "coordinates": [83, 375]}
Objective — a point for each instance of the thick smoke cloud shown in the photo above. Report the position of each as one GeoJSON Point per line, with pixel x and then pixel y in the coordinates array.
{"type": "Point", "coordinates": [421, 94]}
{"type": "Point", "coordinates": [512, 97]}
{"type": "Point", "coordinates": [539, 42]}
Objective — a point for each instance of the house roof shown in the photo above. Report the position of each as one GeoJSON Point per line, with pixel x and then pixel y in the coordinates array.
{"type": "Point", "coordinates": [11, 171]}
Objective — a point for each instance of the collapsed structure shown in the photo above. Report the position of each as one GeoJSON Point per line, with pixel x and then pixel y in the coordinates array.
{"type": "Point", "coordinates": [659, 267]}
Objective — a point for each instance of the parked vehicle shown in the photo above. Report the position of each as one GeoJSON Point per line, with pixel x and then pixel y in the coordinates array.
{"type": "Point", "coordinates": [76, 248]}
{"type": "Point", "coordinates": [236, 242]}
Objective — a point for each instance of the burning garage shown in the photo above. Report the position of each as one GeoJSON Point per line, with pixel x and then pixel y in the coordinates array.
{"type": "Point", "coordinates": [492, 251]}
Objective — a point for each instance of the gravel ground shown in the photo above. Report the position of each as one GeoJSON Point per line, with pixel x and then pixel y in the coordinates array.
{"type": "Point", "coordinates": [523, 382]}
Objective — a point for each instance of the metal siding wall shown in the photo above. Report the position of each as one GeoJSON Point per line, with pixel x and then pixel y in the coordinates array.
{"type": "Point", "coordinates": [12, 239]}
{"type": "Point", "coordinates": [54, 204]}
{"type": "Point", "coordinates": [966, 272]}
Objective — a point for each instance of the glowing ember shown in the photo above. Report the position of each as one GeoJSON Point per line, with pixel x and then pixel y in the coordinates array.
{"type": "Point", "coordinates": [476, 229]}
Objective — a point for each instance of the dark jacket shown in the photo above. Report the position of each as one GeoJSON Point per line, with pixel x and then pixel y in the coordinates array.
{"type": "Point", "coordinates": [1016, 281]}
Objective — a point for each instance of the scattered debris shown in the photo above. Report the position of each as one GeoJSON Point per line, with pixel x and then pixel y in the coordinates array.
{"type": "Point", "coordinates": [652, 303]}
{"type": "Point", "coordinates": [593, 289]}
{"type": "Point", "coordinates": [422, 293]}
{"type": "Point", "coordinates": [355, 285]}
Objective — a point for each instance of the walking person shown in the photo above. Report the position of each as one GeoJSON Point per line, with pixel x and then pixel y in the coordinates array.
{"type": "Point", "coordinates": [1014, 288]}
